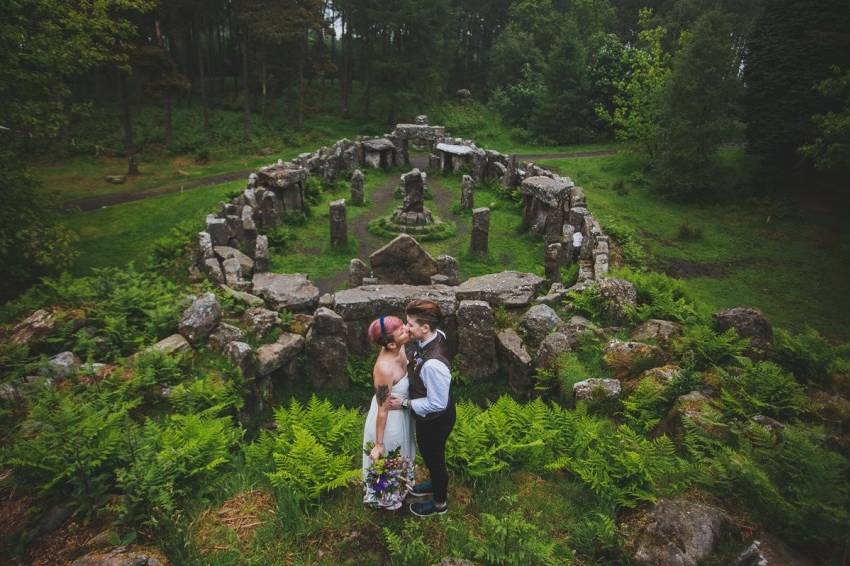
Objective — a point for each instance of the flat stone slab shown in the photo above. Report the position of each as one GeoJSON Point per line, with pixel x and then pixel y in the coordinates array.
{"type": "Point", "coordinates": [286, 291]}
{"type": "Point", "coordinates": [378, 144]}
{"type": "Point", "coordinates": [370, 301]}
{"type": "Point", "coordinates": [551, 191]}
{"type": "Point", "coordinates": [510, 289]}
{"type": "Point", "coordinates": [457, 149]}
{"type": "Point", "coordinates": [281, 176]}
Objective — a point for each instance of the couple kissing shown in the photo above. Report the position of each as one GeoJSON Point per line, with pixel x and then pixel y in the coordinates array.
{"type": "Point", "coordinates": [412, 380]}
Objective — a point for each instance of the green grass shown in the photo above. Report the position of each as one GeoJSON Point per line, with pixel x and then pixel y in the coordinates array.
{"type": "Point", "coordinates": [790, 259]}
{"type": "Point", "coordinates": [124, 233]}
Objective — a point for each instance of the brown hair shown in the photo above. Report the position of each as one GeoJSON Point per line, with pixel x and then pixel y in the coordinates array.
{"type": "Point", "coordinates": [382, 334]}
{"type": "Point", "coordinates": [426, 311]}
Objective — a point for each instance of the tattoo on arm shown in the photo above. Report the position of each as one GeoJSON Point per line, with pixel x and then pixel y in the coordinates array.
{"type": "Point", "coordinates": [382, 392]}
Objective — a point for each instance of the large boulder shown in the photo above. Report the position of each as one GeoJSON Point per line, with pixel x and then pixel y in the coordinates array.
{"type": "Point", "coordinates": [242, 356]}
{"type": "Point", "coordinates": [553, 346]}
{"type": "Point", "coordinates": [594, 388]}
{"type": "Point", "coordinates": [619, 296]}
{"type": "Point", "coordinates": [510, 289]}
{"type": "Point", "coordinates": [123, 556]}
{"type": "Point", "coordinates": [402, 261]}
{"type": "Point", "coordinates": [660, 331]}
{"type": "Point", "coordinates": [260, 320]}
{"type": "Point", "coordinates": [369, 301]}
{"type": "Point", "coordinates": [628, 359]}
{"type": "Point", "coordinates": [246, 264]}
{"type": "Point", "coordinates": [677, 532]}
{"type": "Point", "coordinates": [538, 322]}
{"type": "Point", "coordinates": [749, 322]}
{"type": "Point", "coordinates": [476, 340]}
{"type": "Point", "coordinates": [294, 291]}
{"type": "Point", "coordinates": [514, 360]}
{"type": "Point", "coordinates": [200, 318]}
{"type": "Point", "coordinates": [327, 351]}
{"type": "Point", "coordinates": [63, 364]}
{"type": "Point", "coordinates": [36, 326]}
{"type": "Point", "coordinates": [694, 407]}
{"type": "Point", "coordinates": [224, 335]}
{"type": "Point", "coordinates": [174, 344]}
{"type": "Point", "coordinates": [279, 354]}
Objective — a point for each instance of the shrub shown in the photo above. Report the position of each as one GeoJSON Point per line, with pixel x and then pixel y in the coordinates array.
{"type": "Point", "coordinates": [312, 450]}
{"type": "Point", "coordinates": [809, 356]}
{"type": "Point", "coordinates": [172, 254]}
{"type": "Point", "coordinates": [660, 296]}
{"type": "Point", "coordinates": [170, 462]}
{"type": "Point", "coordinates": [701, 347]}
{"type": "Point", "coordinates": [763, 388]}
{"type": "Point", "coordinates": [359, 370]}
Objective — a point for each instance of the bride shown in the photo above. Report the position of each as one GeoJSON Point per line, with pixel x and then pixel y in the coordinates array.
{"type": "Point", "coordinates": [388, 429]}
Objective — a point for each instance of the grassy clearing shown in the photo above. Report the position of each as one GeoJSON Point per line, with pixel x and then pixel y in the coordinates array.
{"type": "Point", "coordinates": [788, 258]}
{"type": "Point", "coordinates": [124, 233]}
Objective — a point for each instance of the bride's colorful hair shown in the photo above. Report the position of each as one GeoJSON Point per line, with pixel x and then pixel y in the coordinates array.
{"type": "Point", "coordinates": [381, 330]}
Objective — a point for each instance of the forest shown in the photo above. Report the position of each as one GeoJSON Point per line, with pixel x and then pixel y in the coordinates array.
{"type": "Point", "coordinates": [711, 139]}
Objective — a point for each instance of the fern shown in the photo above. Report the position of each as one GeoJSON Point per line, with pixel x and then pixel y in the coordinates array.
{"type": "Point", "coordinates": [762, 388]}
{"type": "Point", "coordinates": [408, 546]}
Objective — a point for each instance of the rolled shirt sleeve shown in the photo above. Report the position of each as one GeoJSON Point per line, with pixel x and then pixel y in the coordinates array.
{"type": "Point", "coordinates": [437, 379]}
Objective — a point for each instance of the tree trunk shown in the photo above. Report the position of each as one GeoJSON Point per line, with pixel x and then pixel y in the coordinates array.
{"type": "Point", "coordinates": [204, 109]}
{"type": "Point", "coordinates": [346, 64]}
{"type": "Point", "coordinates": [301, 86]}
{"type": "Point", "coordinates": [367, 71]}
{"type": "Point", "coordinates": [126, 120]}
{"type": "Point", "coordinates": [167, 123]}
{"type": "Point", "coordinates": [265, 89]}
{"type": "Point", "coordinates": [246, 116]}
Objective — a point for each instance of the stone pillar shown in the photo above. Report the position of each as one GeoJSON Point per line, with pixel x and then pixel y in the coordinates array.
{"type": "Point", "coordinates": [476, 340]}
{"type": "Point", "coordinates": [449, 267]}
{"type": "Point", "coordinates": [261, 254]}
{"type": "Point", "coordinates": [466, 196]}
{"type": "Point", "coordinates": [339, 226]}
{"type": "Point", "coordinates": [480, 230]}
{"type": "Point", "coordinates": [357, 193]}
{"type": "Point", "coordinates": [567, 244]}
{"type": "Point", "coordinates": [217, 229]}
{"type": "Point", "coordinates": [552, 263]}
{"type": "Point", "coordinates": [357, 271]}
{"type": "Point", "coordinates": [326, 353]}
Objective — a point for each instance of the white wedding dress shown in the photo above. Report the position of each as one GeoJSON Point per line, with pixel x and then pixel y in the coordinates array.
{"type": "Point", "coordinates": [399, 432]}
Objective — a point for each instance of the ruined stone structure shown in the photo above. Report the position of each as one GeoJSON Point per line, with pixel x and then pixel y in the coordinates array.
{"type": "Point", "coordinates": [233, 252]}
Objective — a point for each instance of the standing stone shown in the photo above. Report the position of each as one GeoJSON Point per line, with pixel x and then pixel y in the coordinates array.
{"type": "Point", "coordinates": [261, 254]}
{"type": "Point", "coordinates": [357, 270]}
{"type": "Point", "coordinates": [449, 267]}
{"type": "Point", "coordinates": [567, 256]}
{"type": "Point", "coordinates": [480, 230]}
{"type": "Point", "coordinates": [552, 262]}
{"type": "Point", "coordinates": [357, 193]}
{"type": "Point", "coordinates": [514, 360]}
{"type": "Point", "coordinates": [434, 162]}
{"type": "Point", "coordinates": [476, 340]}
{"type": "Point", "coordinates": [339, 226]}
{"type": "Point", "coordinates": [217, 229]}
{"type": "Point", "coordinates": [466, 195]}
{"type": "Point", "coordinates": [249, 227]}
{"type": "Point", "coordinates": [205, 245]}
{"type": "Point", "coordinates": [413, 187]}
{"type": "Point", "coordinates": [201, 318]}
{"type": "Point", "coordinates": [326, 351]}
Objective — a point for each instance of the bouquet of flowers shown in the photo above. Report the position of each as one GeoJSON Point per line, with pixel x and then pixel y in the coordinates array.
{"type": "Point", "coordinates": [388, 480]}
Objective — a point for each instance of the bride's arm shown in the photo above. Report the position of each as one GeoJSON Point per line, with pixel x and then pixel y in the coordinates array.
{"type": "Point", "coordinates": [383, 382]}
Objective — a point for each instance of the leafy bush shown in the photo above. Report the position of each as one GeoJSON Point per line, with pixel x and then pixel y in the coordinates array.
{"type": "Point", "coordinates": [312, 450]}
{"type": "Point", "coordinates": [124, 309]}
{"type": "Point", "coordinates": [701, 347]}
{"type": "Point", "coordinates": [172, 254]}
{"type": "Point", "coordinates": [763, 388]}
{"type": "Point", "coordinates": [170, 462]}
{"type": "Point", "coordinates": [643, 408]}
{"type": "Point", "coordinates": [790, 481]}
{"type": "Point", "coordinates": [280, 237]}
{"type": "Point", "coordinates": [359, 370]}
{"type": "Point", "coordinates": [69, 447]}
{"type": "Point", "coordinates": [660, 296]}
{"type": "Point", "coordinates": [408, 546]}
{"type": "Point", "coordinates": [809, 356]}
{"type": "Point", "coordinates": [634, 254]}
{"type": "Point", "coordinates": [512, 540]}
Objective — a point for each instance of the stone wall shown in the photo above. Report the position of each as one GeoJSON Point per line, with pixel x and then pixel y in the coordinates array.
{"type": "Point", "coordinates": [233, 253]}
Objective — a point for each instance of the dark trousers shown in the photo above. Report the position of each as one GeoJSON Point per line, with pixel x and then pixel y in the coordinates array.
{"type": "Point", "coordinates": [431, 438]}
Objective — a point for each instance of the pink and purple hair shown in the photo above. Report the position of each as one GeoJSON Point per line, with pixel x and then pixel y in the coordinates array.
{"type": "Point", "coordinates": [381, 330]}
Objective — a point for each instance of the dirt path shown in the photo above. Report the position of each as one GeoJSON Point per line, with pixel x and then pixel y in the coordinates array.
{"type": "Point", "coordinates": [94, 203]}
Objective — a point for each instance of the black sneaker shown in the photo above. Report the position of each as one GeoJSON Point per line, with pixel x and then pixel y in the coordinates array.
{"type": "Point", "coordinates": [428, 508]}
{"type": "Point", "coordinates": [422, 489]}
